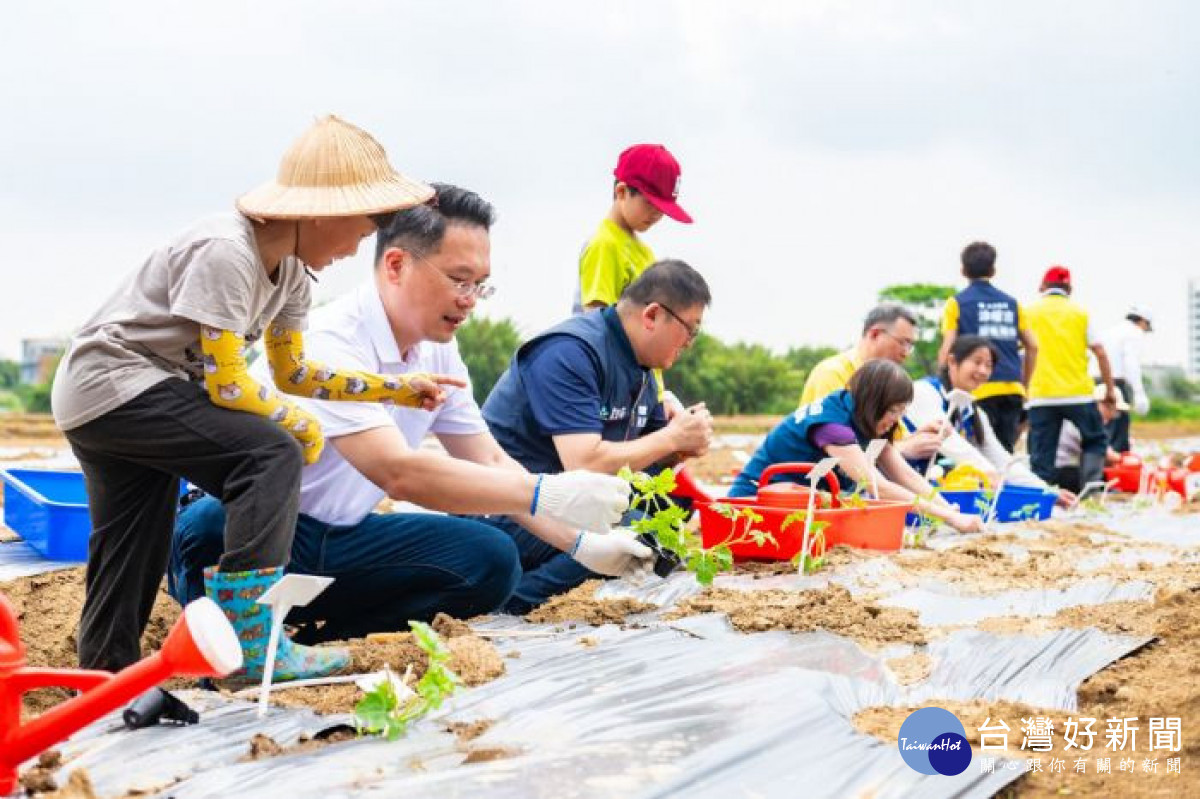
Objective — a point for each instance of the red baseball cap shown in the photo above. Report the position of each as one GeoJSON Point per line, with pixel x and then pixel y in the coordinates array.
{"type": "Point", "coordinates": [1057, 274]}
{"type": "Point", "coordinates": [653, 171]}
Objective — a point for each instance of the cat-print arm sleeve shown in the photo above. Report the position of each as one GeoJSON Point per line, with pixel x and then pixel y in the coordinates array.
{"type": "Point", "coordinates": [296, 375]}
{"type": "Point", "coordinates": [230, 386]}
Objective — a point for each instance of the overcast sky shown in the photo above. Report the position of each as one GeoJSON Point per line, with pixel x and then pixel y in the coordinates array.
{"type": "Point", "coordinates": [828, 148]}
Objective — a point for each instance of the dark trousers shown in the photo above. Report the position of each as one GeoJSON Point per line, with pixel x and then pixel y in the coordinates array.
{"type": "Point", "coordinates": [132, 458]}
{"type": "Point", "coordinates": [1118, 428]}
{"type": "Point", "coordinates": [1045, 427]}
{"type": "Point", "coordinates": [388, 569]}
{"type": "Point", "coordinates": [1004, 412]}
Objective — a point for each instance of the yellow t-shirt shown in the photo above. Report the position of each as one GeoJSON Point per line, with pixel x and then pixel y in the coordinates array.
{"type": "Point", "coordinates": [829, 375]}
{"type": "Point", "coordinates": [1063, 335]}
{"type": "Point", "coordinates": [832, 374]}
{"type": "Point", "coordinates": [990, 389]}
{"type": "Point", "coordinates": [609, 262]}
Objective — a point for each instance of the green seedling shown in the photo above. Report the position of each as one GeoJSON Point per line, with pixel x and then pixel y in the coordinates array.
{"type": "Point", "coordinates": [854, 499]}
{"type": "Point", "coordinates": [1027, 512]}
{"type": "Point", "coordinates": [666, 522]}
{"type": "Point", "coordinates": [382, 712]}
{"type": "Point", "coordinates": [984, 501]}
{"type": "Point", "coordinates": [807, 561]}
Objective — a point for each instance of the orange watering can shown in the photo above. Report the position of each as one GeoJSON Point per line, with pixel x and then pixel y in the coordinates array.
{"type": "Point", "coordinates": [201, 644]}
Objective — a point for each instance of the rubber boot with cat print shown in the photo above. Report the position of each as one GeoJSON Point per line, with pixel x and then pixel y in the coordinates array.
{"type": "Point", "coordinates": [237, 593]}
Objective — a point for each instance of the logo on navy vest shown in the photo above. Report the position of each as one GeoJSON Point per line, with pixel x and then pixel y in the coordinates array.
{"type": "Point", "coordinates": [608, 414]}
{"type": "Point", "coordinates": [997, 320]}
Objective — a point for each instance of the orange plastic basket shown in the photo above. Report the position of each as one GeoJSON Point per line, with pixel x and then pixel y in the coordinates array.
{"type": "Point", "coordinates": [877, 525]}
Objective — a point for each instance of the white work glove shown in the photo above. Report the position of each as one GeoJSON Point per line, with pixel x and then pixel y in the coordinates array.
{"type": "Point", "coordinates": [581, 499]}
{"type": "Point", "coordinates": [1141, 404]}
{"type": "Point", "coordinates": [612, 554]}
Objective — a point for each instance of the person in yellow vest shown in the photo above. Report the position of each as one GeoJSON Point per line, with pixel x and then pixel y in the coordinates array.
{"type": "Point", "coordinates": [1060, 388]}
{"type": "Point", "coordinates": [889, 332]}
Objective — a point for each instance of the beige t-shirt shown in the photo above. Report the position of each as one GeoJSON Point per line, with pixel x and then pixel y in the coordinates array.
{"type": "Point", "coordinates": [149, 329]}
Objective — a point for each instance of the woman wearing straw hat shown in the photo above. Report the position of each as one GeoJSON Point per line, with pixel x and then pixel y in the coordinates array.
{"type": "Point", "coordinates": [154, 388]}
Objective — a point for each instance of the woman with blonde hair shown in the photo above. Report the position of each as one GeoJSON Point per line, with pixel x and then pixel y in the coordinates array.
{"type": "Point", "coordinates": [154, 388]}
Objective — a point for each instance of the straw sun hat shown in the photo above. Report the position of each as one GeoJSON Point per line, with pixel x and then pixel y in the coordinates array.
{"type": "Point", "coordinates": [334, 169]}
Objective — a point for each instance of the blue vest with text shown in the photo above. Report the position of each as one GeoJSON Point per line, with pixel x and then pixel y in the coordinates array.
{"type": "Point", "coordinates": [629, 392]}
{"type": "Point", "coordinates": [789, 442]}
{"type": "Point", "coordinates": [984, 310]}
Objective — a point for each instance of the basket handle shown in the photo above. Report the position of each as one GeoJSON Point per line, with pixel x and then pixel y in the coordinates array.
{"type": "Point", "coordinates": [776, 469]}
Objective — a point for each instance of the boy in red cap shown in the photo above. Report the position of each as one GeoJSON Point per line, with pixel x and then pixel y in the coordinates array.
{"type": "Point", "coordinates": [1061, 388]}
{"type": "Point", "coordinates": [646, 187]}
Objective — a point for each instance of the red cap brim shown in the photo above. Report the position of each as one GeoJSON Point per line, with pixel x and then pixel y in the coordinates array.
{"type": "Point", "coordinates": [668, 207]}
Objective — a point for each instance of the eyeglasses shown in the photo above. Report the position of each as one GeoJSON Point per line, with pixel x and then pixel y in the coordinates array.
{"type": "Point", "coordinates": [692, 331]}
{"type": "Point", "coordinates": [462, 288]}
{"type": "Point", "coordinates": [907, 343]}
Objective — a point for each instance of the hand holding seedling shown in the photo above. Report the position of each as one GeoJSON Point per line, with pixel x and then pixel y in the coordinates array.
{"type": "Point", "coordinates": [613, 554]}
{"type": "Point", "coordinates": [691, 432]}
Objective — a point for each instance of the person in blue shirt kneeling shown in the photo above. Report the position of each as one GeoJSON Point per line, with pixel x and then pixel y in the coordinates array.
{"type": "Point", "coordinates": [841, 425]}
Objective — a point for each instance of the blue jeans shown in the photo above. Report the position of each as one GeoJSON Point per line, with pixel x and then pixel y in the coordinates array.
{"type": "Point", "coordinates": [1045, 427]}
{"type": "Point", "coordinates": [388, 569]}
{"type": "Point", "coordinates": [546, 570]}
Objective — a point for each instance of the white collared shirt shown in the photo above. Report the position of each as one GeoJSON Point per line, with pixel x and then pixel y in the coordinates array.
{"type": "Point", "coordinates": [353, 333]}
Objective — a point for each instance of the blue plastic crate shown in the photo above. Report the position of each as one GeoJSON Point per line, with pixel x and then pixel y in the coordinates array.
{"type": "Point", "coordinates": [49, 510]}
{"type": "Point", "coordinates": [1017, 503]}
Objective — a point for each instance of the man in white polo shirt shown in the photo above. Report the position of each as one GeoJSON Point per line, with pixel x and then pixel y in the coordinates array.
{"type": "Point", "coordinates": [432, 266]}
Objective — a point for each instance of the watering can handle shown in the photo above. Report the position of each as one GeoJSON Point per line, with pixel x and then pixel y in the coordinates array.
{"type": "Point", "coordinates": [776, 469]}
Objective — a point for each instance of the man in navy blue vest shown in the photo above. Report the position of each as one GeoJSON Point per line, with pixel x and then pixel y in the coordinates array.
{"type": "Point", "coordinates": [981, 309]}
{"type": "Point", "coordinates": [582, 395]}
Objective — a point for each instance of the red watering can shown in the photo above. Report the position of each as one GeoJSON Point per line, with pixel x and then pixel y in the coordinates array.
{"type": "Point", "coordinates": [201, 644]}
{"type": "Point", "coordinates": [791, 495]}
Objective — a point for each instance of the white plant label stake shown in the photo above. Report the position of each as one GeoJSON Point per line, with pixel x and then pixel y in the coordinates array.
{"type": "Point", "coordinates": [873, 450]}
{"type": "Point", "coordinates": [823, 467]}
{"type": "Point", "coordinates": [991, 511]}
{"type": "Point", "coordinates": [956, 400]}
{"type": "Point", "coordinates": [292, 591]}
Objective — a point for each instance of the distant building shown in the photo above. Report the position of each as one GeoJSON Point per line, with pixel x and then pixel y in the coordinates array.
{"type": "Point", "coordinates": [39, 357]}
{"type": "Point", "coordinates": [1193, 300]}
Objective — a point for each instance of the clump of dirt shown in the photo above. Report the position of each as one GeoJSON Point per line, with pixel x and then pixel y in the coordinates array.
{"type": "Point", "coordinates": [469, 730]}
{"type": "Point", "coordinates": [450, 627]}
{"type": "Point", "coordinates": [475, 660]}
{"type": "Point", "coordinates": [911, 669]}
{"type": "Point", "coordinates": [48, 607]}
{"type": "Point", "coordinates": [262, 747]}
{"type": "Point", "coordinates": [486, 754]}
{"type": "Point", "coordinates": [580, 604]}
{"type": "Point", "coordinates": [40, 777]}
{"type": "Point", "coordinates": [832, 609]}
{"type": "Point", "coordinates": [472, 658]}
{"type": "Point", "coordinates": [79, 786]}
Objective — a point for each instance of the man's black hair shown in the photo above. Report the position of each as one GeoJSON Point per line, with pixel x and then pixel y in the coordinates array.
{"type": "Point", "coordinates": [420, 230]}
{"type": "Point", "coordinates": [669, 282]}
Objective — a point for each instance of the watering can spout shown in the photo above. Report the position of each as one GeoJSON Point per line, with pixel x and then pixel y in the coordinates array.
{"type": "Point", "coordinates": [202, 643]}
